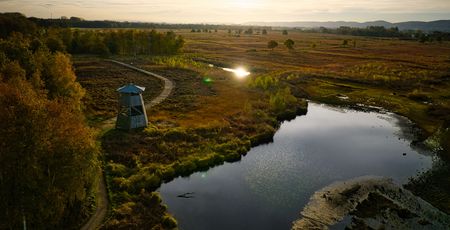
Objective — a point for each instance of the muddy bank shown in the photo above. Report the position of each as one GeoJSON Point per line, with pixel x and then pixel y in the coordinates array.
{"type": "Point", "coordinates": [371, 203]}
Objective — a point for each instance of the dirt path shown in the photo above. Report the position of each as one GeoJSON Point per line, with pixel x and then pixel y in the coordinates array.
{"type": "Point", "coordinates": [102, 195]}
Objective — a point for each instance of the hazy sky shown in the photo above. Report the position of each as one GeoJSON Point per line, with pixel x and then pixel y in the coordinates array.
{"type": "Point", "coordinates": [234, 11]}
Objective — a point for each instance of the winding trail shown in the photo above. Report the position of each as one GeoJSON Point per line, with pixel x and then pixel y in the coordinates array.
{"type": "Point", "coordinates": [96, 219]}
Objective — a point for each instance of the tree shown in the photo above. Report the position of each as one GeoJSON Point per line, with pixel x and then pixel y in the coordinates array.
{"type": "Point", "coordinates": [345, 42]}
{"type": "Point", "coordinates": [285, 32]}
{"type": "Point", "coordinates": [48, 155]}
{"type": "Point", "coordinates": [272, 44]}
{"type": "Point", "coordinates": [48, 158]}
{"type": "Point", "coordinates": [60, 80]}
{"type": "Point", "coordinates": [264, 31]}
{"type": "Point", "coordinates": [55, 44]}
{"type": "Point", "coordinates": [289, 44]}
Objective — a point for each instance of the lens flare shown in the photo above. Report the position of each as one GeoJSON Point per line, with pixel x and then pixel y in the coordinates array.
{"type": "Point", "coordinates": [239, 72]}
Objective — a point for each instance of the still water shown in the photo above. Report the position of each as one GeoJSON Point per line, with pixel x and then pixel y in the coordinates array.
{"type": "Point", "coordinates": [268, 188]}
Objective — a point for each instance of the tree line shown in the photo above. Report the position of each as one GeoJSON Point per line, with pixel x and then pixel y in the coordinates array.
{"type": "Point", "coordinates": [117, 42]}
{"type": "Point", "coordinates": [381, 31]}
{"type": "Point", "coordinates": [48, 155]}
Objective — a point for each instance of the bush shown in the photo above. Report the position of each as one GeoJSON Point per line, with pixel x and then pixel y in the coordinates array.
{"type": "Point", "coordinates": [169, 222]}
{"type": "Point", "coordinates": [265, 82]}
{"type": "Point", "coordinates": [144, 180]}
{"type": "Point", "coordinates": [121, 183]}
{"type": "Point", "coordinates": [178, 134]}
{"type": "Point", "coordinates": [185, 167]}
{"type": "Point", "coordinates": [232, 157]}
{"type": "Point", "coordinates": [151, 200]}
{"type": "Point", "coordinates": [281, 100]}
{"type": "Point", "coordinates": [272, 44]}
{"type": "Point", "coordinates": [116, 169]}
{"type": "Point", "coordinates": [167, 173]}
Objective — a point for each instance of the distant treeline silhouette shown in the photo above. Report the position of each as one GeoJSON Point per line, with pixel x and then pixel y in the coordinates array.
{"type": "Point", "coordinates": [380, 31]}
{"type": "Point", "coordinates": [75, 22]}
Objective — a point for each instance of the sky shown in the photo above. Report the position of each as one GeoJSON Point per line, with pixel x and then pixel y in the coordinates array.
{"type": "Point", "coordinates": [234, 11]}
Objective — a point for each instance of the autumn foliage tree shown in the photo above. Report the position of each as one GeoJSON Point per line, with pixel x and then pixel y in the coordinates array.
{"type": "Point", "coordinates": [48, 156]}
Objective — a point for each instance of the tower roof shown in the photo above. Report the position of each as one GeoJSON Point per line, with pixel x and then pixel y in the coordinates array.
{"type": "Point", "coordinates": [131, 88]}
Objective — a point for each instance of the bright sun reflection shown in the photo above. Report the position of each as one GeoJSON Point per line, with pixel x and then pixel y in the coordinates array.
{"type": "Point", "coordinates": [239, 72]}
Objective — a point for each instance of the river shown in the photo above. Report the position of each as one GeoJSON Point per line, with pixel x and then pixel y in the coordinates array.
{"type": "Point", "coordinates": [268, 188]}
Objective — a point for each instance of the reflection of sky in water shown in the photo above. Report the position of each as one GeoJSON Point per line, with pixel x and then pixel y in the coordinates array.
{"type": "Point", "coordinates": [270, 186]}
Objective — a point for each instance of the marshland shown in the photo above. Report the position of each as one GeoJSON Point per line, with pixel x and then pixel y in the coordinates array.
{"type": "Point", "coordinates": [263, 127]}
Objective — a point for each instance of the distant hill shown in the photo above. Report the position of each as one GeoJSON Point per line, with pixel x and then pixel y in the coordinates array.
{"type": "Point", "coordinates": [440, 25]}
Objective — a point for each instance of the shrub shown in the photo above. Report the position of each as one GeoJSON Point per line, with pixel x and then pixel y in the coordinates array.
{"type": "Point", "coordinates": [152, 131]}
{"type": "Point", "coordinates": [169, 222]}
{"type": "Point", "coordinates": [178, 134]}
{"type": "Point", "coordinates": [121, 183]}
{"type": "Point", "coordinates": [281, 100]}
{"type": "Point", "coordinates": [232, 157]}
{"type": "Point", "coordinates": [265, 82]}
{"type": "Point", "coordinates": [272, 44]}
{"type": "Point", "coordinates": [167, 173]}
{"type": "Point", "coordinates": [144, 180]}
{"type": "Point", "coordinates": [184, 167]}
{"type": "Point", "coordinates": [151, 200]}
{"type": "Point", "coordinates": [116, 169]}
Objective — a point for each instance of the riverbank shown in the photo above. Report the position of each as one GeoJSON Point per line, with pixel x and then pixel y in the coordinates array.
{"type": "Point", "coordinates": [201, 125]}
{"type": "Point", "coordinates": [214, 117]}
{"type": "Point", "coordinates": [369, 203]}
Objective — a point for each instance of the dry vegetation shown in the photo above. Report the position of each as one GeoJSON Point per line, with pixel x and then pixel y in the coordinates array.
{"type": "Point", "coordinates": [101, 78]}
{"type": "Point", "coordinates": [213, 117]}
{"type": "Point", "coordinates": [406, 77]}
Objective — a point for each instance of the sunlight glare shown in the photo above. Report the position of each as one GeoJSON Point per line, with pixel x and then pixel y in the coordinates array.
{"type": "Point", "coordinates": [239, 72]}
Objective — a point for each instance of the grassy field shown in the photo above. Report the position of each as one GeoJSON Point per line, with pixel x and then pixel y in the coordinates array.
{"type": "Point", "coordinates": [101, 79]}
{"type": "Point", "coordinates": [212, 116]}
{"type": "Point", "coordinates": [407, 77]}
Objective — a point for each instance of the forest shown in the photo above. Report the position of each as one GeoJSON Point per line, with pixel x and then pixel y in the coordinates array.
{"type": "Point", "coordinates": [47, 175]}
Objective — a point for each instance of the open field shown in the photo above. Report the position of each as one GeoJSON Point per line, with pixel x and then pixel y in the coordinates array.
{"type": "Point", "coordinates": [212, 116]}
{"type": "Point", "coordinates": [101, 78]}
{"type": "Point", "coordinates": [407, 77]}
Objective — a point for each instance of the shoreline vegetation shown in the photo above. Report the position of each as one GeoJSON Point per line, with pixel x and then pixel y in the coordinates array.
{"type": "Point", "coordinates": [213, 117]}
{"type": "Point", "coordinates": [141, 160]}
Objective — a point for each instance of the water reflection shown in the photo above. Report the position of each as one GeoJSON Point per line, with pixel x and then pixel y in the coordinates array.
{"type": "Point", "coordinates": [268, 188]}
